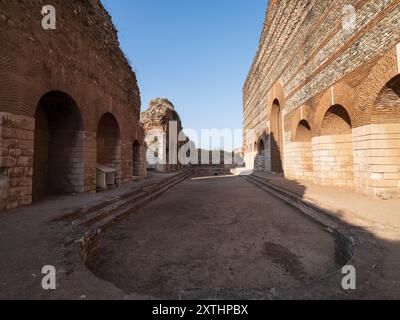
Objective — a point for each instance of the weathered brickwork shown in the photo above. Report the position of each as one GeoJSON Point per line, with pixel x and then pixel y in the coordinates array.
{"type": "Point", "coordinates": [56, 88]}
{"type": "Point", "coordinates": [333, 68]}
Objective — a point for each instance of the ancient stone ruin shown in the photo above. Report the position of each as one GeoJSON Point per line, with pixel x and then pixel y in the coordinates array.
{"type": "Point", "coordinates": [113, 203]}
{"type": "Point", "coordinates": [68, 102]}
{"type": "Point", "coordinates": [164, 136]}
{"type": "Point", "coordinates": [323, 95]}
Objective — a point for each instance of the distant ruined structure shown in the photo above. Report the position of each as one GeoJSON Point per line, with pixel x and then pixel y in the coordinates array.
{"type": "Point", "coordinates": [162, 144]}
{"type": "Point", "coordinates": [69, 102]}
{"type": "Point", "coordinates": [323, 94]}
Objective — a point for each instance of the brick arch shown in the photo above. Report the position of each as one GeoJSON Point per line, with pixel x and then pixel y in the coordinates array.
{"type": "Point", "coordinates": [338, 95]}
{"type": "Point", "coordinates": [58, 146]}
{"type": "Point", "coordinates": [336, 121]}
{"type": "Point", "coordinates": [372, 88]}
{"type": "Point", "coordinates": [303, 113]}
{"type": "Point", "coordinates": [37, 94]}
{"type": "Point", "coordinates": [276, 93]}
{"type": "Point", "coordinates": [387, 103]}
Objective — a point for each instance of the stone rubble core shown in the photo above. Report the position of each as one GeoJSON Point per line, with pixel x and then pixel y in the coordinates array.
{"type": "Point", "coordinates": [69, 100]}
{"type": "Point", "coordinates": [324, 99]}
{"type": "Point", "coordinates": [160, 121]}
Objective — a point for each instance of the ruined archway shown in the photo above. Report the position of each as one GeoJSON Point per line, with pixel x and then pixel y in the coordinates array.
{"type": "Point", "coordinates": [58, 159]}
{"type": "Point", "coordinates": [136, 159]}
{"type": "Point", "coordinates": [333, 150]}
{"type": "Point", "coordinates": [276, 141]}
{"type": "Point", "coordinates": [109, 144]}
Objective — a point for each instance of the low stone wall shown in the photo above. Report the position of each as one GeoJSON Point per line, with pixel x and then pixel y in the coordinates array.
{"type": "Point", "coordinates": [333, 160]}
{"type": "Point", "coordinates": [299, 161]}
{"type": "Point", "coordinates": [377, 160]}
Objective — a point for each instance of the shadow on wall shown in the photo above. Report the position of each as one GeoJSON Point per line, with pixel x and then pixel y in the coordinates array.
{"type": "Point", "coordinates": [269, 156]}
{"type": "Point", "coordinates": [276, 155]}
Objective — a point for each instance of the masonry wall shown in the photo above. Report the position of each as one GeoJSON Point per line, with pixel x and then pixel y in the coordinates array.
{"type": "Point", "coordinates": [79, 66]}
{"type": "Point", "coordinates": [332, 158]}
{"type": "Point", "coordinates": [347, 54]}
{"type": "Point", "coordinates": [299, 161]}
{"type": "Point", "coordinates": [16, 164]}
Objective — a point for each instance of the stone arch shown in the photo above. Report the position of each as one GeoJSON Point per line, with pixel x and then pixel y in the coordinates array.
{"type": "Point", "coordinates": [298, 152]}
{"type": "Point", "coordinates": [377, 145]}
{"type": "Point", "coordinates": [333, 149]}
{"type": "Point", "coordinates": [109, 144]}
{"type": "Point", "coordinates": [58, 146]}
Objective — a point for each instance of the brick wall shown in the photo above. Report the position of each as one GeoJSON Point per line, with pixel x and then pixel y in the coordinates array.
{"type": "Point", "coordinates": [81, 62]}
{"type": "Point", "coordinates": [334, 65]}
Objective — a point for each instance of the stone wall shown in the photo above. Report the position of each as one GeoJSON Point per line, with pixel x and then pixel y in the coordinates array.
{"type": "Point", "coordinates": [332, 158]}
{"type": "Point", "coordinates": [16, 133]}
{"type": "Point", "coordinates": [346, 55]}
{"type": "Point", "coordinates": [55, 87]}
{"type": "Point", "coordinates": [377, 159]}
{"type": "Point", "coordinates": [299, 161]}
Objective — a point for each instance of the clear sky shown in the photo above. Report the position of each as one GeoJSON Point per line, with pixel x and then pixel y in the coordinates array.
{"type": "Point", "coordinates": [196, 53]}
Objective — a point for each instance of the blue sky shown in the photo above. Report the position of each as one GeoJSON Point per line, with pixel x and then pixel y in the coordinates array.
{"type": "Point", "coordinates": [197, 53]}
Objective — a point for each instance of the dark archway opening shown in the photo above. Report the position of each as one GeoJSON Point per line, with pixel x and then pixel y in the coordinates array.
{"type": "Point", "coordinates": [109, 147]}
{"type": "Point", "coordinates": [58, 160]}
{"type": "Point", "coordinates": [136, 159]}
{"type": "Point", "coordinates": [276, 138]}
{"type": "Point", "coordinates": [261, 148]}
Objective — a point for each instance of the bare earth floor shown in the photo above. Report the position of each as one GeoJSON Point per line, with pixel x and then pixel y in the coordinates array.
{"type": "Point", "coordinates": [208, 233]}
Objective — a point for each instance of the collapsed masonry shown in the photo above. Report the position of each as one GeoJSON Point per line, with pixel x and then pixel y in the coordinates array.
{"type": "Point", "coordinates": [164, 136]}
{"type": "Point", "coordinates": [69, 102]}
{"type": "Point", "coordinates": [323, 95]}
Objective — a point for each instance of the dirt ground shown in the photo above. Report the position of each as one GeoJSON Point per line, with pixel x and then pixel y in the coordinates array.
{"type": "Point", "coordinates": [209, 233]}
